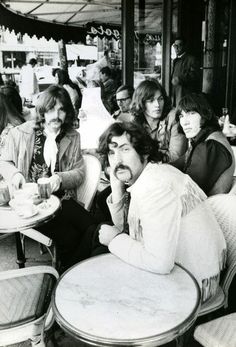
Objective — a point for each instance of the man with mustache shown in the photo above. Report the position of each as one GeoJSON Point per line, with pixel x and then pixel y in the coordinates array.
{"type": "Point", "coordinates": [169, 219]}
{"type": "Point", "coordinates": [51, 148]}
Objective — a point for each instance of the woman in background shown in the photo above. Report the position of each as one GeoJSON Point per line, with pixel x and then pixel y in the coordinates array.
{"type": "Point", "coordinates": [209, 160]}
{"type": "Point", "coordinates": [9, 118]}
{"type": "Point", "coordinates": [152, 109]}
{"type": "Point", "coordinates": [62, 78]}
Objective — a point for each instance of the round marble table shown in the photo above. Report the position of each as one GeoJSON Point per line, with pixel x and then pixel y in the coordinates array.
{"type": "Point", "coordinates": [10, 222]}
{"type": "Point", "coordinates": [105, 302]}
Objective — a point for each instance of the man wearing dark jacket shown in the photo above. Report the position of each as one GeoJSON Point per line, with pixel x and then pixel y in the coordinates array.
{"type": "Point", "coordinates": [185, 76]}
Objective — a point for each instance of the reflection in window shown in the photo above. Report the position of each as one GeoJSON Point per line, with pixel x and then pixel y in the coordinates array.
{"type": "Point", "coordinates": [148, 39]}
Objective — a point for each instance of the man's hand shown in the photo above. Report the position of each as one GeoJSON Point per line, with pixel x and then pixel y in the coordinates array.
{"type": "Point", "coordinates": [117, 187]}
{"type": "Point", "coordinates": [17, 181]}
{"type": "Point", "coordinates": [55, 182]}
{"type": "Point", "coordinates": [107, 234]}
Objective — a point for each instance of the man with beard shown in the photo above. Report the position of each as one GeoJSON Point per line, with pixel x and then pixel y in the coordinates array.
{"type": "Point", "coordinates": [168, 219]}
{"type": "Point", "coordinates": [51, 148]}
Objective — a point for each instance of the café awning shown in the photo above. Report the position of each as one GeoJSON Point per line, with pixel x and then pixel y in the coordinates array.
{"type": "Point", "coordinates": [73, 20]}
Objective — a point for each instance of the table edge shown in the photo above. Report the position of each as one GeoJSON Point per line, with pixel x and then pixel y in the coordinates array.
{"type": "Point", "coordinates": [158, 339]}
{"type": "Point", "coordinates": [33, 224]}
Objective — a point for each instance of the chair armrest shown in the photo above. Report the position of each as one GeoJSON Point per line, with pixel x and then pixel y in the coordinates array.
{"type": "Point", "coordinates": [28, 271]}
{"type": "Point", "coordinates": [37, 236]}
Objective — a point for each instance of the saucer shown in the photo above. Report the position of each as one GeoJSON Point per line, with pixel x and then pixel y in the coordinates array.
{"type": "Point", "coordinates": [21, 207]}
{"type": "Point", "coordinates": [5, 207]}
{"type": "Point", "coordinates": [28, 216]}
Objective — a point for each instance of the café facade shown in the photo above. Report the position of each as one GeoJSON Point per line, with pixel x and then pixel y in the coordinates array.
{"type": "Point", "coordinates": [138, 35]}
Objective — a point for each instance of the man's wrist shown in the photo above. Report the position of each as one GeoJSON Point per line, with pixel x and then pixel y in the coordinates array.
{"type": "Point", "coordinates": [59, 179]}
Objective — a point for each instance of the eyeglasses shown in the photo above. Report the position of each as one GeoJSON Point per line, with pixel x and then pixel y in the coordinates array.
{"type": "Point", "coordinates": [122, 100]}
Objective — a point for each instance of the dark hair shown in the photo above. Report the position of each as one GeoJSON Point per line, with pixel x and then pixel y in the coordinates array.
{"type": "Point", "coordinates": [129, 89]}
{"type": "Point", "coordinates": [180, 38]}
{"type": "Point", "coordinates": [13, 96]}
{"type": "Point", "coordinates": [47, 100]}
{"type": "Point", "coordinates": [138, 137]}
{"type": "Point", "coordinates": [8, 113]}
{"type": "Point", "coordinates": [198, 102]}
{"type": "Point", "coordinates": [106, 70]}
{"type": "Point", "coordinates": [64, 78]}
{"type": "Point", "coordinates": [1, 80]}
{"type": "Point", "coordinates": [32, 61]}
{"type": "Point", "coordinates": [145, 91]}
{"type": "Point", "coordinates": [54, 70]}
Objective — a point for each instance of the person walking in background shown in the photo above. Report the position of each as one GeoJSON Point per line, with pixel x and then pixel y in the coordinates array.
{"type": "Point", "coordinates": [10, 116]}
{"type": "Point", "coordinates": [62, 78]}
{"type": "Point", "coordinates": [110, 87]}
{"type": "Point", "coordinates": [209, 160]}
{"type": "Point", "coordinates": [152, 109]}
{"type": "Point", "coordinates": [185, 76]}
{"type": "Point", "coordinates": [123, 98]}
{"type": "Point", "coordinates": [28, 83]}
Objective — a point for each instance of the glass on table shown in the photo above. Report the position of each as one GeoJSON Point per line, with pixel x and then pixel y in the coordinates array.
{"type": "Point", "coordinates": [45, 190]}
{"type": "Point", "coordinates": [224, 111]}
{"type": "Point", "coordinates": [4, 193]}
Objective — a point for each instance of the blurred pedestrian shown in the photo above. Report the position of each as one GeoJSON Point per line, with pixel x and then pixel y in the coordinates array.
{"type": "Point", "coordinates": [185, 76]}
{"type": "Point", "coordinates": [110, 87]}
{"type": "Point", "coordinates": [62, 78]}
{"type": "Point", "coordinates": [28, 83]}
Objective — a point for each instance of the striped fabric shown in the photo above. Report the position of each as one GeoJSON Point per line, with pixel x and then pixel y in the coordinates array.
{"type": "Point", "coordinates": [22, 299]}
{"type": "Point", "coordinates": [220, 332]}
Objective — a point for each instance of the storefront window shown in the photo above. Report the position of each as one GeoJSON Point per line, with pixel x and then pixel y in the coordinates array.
{"type": "Point", "coordinates": [148, 39]}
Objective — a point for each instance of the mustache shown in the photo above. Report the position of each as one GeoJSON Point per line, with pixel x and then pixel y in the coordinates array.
{"type": "Point", "coordinates": [55, 120]}
{"type": "Point", "coordinates": [121, 167]}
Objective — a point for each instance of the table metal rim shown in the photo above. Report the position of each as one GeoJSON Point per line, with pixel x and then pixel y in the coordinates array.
{"type": "Point", "coordinates": [144, 341]}
{"type": "Point", "coordinates": [32, 224]}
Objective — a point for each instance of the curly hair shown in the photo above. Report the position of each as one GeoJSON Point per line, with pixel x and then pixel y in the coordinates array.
{"type": "Point", "coordinates": [145, 91]}
{"type": "Point", "coordinates": [198, 102]}
{"type": "Point", "coordinates": [138, 137]}
{"type": "Point", "coordinates": [47, 100]}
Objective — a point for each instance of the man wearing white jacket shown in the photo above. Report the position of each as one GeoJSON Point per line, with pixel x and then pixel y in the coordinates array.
{"type": "Point", "coordinates": [169, 219]}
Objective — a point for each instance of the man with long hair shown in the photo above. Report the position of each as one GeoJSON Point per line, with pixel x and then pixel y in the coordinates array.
{"type": "Point", "coordinates": [167, 220]}
{"type": "Point", "coordinates": [51, 148]}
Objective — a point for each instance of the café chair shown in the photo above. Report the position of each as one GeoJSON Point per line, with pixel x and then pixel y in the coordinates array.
{"type": "Point", "coordinates": [219, 332]}
{"type": "Point", "coordinates": [224, 208]}
{"type": "Point", "coordinates": [25, 312]}
{"type": "Point", "coordinates": [45, 243]}
{"type": "Point", "coordinates": [86, 193]}
{"type": "Point", "coordinates": [233, 188]}
{"type": "Point", "coordinates": [87, 190]}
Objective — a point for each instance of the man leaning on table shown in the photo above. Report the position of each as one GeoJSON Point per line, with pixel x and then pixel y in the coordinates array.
{"type": "Point", "coordinates": [169, 219]}
{"type": "Point", "coordinates": [51, 148]}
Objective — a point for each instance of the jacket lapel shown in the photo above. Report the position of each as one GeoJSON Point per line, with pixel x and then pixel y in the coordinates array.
{"type": "Point", "coordinates": [64, 143]}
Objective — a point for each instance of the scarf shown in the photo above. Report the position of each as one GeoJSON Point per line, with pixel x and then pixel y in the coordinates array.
{"type": "Point", "coordinates": [50, 149]}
